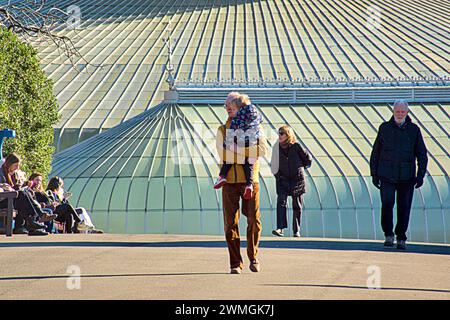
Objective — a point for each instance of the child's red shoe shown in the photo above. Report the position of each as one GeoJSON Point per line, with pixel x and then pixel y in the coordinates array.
{"type": "Point", "coordinates": [248, 193]}
{"type": "Point", "coordinates": [220, 182]}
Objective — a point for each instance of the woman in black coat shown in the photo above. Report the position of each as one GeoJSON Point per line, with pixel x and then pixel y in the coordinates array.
{"type": "Point", "coordinates": [288, 162]}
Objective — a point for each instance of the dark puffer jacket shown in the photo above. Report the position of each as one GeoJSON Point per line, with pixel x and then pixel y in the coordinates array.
{"type": "Point", "coordinates": [395, 150]}
{"type": "Point", "coordinates": [289, 173]}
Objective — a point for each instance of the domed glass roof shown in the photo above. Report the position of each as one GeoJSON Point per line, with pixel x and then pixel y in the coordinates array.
{"type": "Point", "coordinates": [235, 41]}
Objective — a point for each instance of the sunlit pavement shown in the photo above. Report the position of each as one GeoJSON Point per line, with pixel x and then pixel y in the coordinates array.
{"type": "Point", "coordinates": [196, 267]}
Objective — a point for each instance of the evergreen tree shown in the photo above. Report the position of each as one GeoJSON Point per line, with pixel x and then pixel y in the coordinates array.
{"type": "Point", "coordinates": [27, 104]}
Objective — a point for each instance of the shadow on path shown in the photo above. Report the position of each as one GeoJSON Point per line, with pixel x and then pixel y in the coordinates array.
{"type": "Point", "coordinates": [355, 287]}
{"type": "Point", "coordinates": [273, 244]}
{"type": "Point", "coordinates": [110, 275]}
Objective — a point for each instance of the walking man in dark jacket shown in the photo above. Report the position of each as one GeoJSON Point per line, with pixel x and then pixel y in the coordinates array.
{"type": "Point", "coordinates": [393, 169]}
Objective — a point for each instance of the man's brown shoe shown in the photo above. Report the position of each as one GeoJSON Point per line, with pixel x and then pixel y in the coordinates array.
{"type": "Point", "coordinates": [255, 266]}
{"type": "Point", "coordinates": [236, 270]}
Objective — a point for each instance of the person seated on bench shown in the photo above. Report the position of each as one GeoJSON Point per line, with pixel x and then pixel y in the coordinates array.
{"type": "Point", "coordinates": [34, 187]}
{"type": "Point", "coordinates": [28, 212]}
{"type": "Point", "coordinates": [66, 213]}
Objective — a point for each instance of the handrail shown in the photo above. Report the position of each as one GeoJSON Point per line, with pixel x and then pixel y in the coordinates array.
{"type": "Point", "coordinates": [299, 95]}
{"type": "Point", "coordinates": [323, 83]}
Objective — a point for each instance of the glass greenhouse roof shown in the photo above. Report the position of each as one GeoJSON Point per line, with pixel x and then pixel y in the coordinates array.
{"type": "Point", "coordinates": [235, 41]}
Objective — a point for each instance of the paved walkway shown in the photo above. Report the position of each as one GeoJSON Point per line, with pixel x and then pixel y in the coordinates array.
{"type": "Point", "coordinates": [196, 267]}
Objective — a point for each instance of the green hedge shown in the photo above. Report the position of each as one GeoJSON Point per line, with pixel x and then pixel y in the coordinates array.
{"type": "Point", "coordinates": [27, 104]}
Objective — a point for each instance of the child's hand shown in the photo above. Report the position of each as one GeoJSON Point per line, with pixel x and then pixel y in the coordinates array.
{"type": "Point", "coordinates": [232, 147]}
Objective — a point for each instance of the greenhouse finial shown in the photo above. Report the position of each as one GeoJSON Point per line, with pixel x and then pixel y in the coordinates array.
{"type": "Point", "coordinates": [169, 66]}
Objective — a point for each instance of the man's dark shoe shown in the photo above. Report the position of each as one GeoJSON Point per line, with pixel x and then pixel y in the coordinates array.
{"type": "Point", "coordinates": [255, 266]}
{"type": "Point", "coordinates": [278, 232]}
{"type": "Point", "coordinates": [389, 242]}
{"type": "Point", "coordinates": [33, 225]}
{"type": "Point", "coordinates": [20, 230]}
{"type": "Point", "coordinates": [37, 232]}
{"type": "Point", "coordinates": [401, 244]}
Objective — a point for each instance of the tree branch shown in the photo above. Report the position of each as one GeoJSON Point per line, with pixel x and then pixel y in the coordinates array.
{"type": "Point", "coordinates": [32, 20]}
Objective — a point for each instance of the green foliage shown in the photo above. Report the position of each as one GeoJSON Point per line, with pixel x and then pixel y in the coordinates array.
{"type": "Point", "coordinates": [27, 104]}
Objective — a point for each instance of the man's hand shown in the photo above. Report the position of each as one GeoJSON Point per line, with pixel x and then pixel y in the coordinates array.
{"type": "Point", "coordinates": [376, 181]}
{"type": "Point", "coordinates": [419, 182]}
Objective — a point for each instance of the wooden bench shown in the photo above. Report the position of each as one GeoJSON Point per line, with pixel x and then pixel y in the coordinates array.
{"type": "Point", "coordinates": [7, 215]}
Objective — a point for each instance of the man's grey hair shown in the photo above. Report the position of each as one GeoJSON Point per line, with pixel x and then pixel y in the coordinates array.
{"type": "Point", "coordinates": [232, 95]}
{"type": "Point", "coordinates": [400, 103]}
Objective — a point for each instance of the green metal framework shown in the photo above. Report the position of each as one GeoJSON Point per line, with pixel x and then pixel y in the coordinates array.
{"type": "Point", "coordinates": [236, 41]}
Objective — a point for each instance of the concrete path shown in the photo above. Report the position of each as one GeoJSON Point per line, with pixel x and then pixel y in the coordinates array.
{"type": "Point", "coordinates": [196, 267]}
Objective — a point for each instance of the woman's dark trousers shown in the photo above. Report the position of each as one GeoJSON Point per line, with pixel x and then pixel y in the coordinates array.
{"type": "Point", "coordinates": [297, 204]}
{"type": "Point", "coordinates": [67, 214]}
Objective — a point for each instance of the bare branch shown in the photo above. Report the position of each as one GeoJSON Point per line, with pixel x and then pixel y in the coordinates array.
{"type": "Point", "coordinates": [34, 22]}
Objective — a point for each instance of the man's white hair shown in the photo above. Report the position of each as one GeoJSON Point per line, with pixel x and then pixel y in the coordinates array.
{"type": "Point", "coordinates": [400, 103]}
{"type": "Point", "coordinates": [232, 95]}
